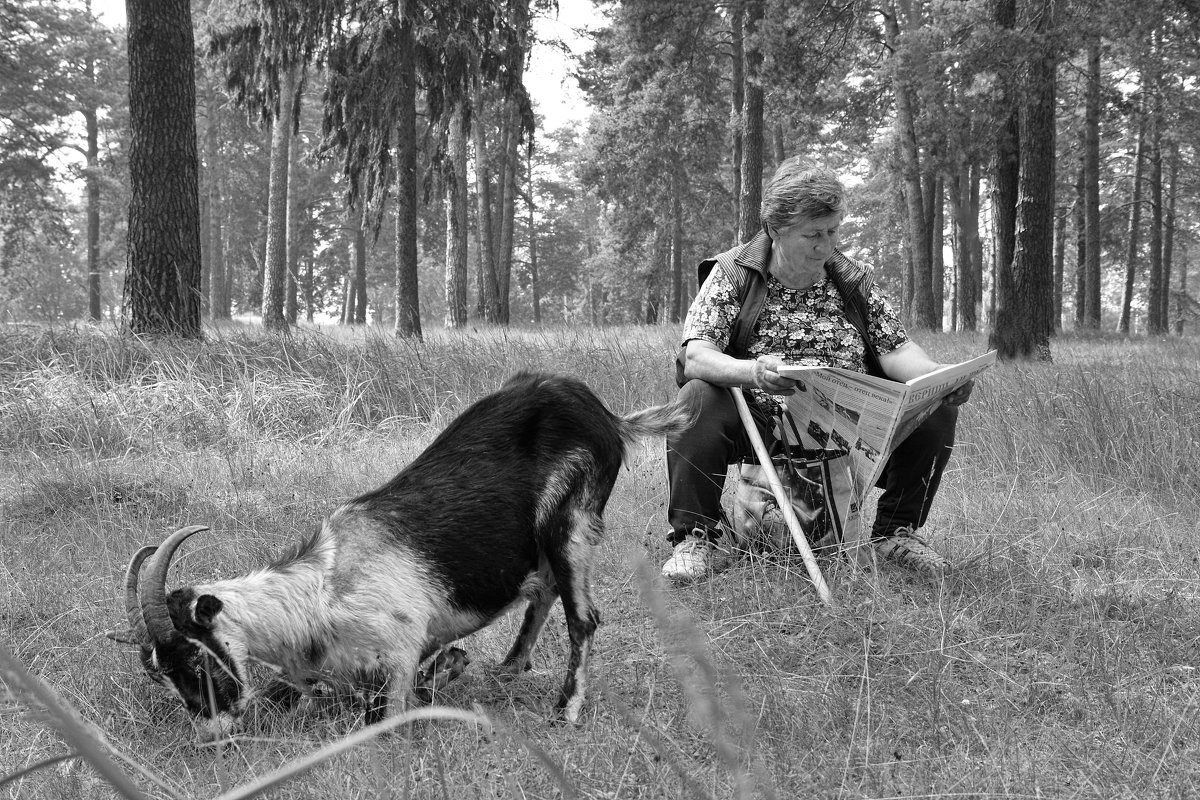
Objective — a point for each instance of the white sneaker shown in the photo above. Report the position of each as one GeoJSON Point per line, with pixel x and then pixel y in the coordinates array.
{"type": "Point", "coordinates": [907, 549]}
{"type": "Point", "coordinates": [694, 558]}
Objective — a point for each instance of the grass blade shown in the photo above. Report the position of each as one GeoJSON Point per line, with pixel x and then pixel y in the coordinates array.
{"type": "Point", "coordinates": [73, 728]}
{"type": "Point", "coordinates": [48, 762]}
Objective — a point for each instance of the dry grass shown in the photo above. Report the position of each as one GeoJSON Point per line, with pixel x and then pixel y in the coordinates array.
{"type": "Point", "coordinates": [1061, 663]}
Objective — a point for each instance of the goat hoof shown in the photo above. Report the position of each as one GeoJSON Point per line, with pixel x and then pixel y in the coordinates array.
{"type": "Point", "coordinates": [445, 668]}
{"type": "Point", "coordinates": [567, 712]}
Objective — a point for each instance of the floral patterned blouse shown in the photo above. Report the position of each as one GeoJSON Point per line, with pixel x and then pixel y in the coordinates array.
{"type": "Point", "coordinates": [807, 327]}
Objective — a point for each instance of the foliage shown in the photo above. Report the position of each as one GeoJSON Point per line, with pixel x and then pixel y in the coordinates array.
{"type": "Point", "coordinates": [44, 84]}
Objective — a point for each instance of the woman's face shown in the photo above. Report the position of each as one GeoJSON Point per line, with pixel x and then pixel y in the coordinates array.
{"type": "Point", "coordinates": [807, 242]}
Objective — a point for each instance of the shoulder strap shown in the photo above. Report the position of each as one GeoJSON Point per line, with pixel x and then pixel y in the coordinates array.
{"type": "Point", "coordinates": [751, 292]}
{"type": "Point", "coordinates": [854, 282]}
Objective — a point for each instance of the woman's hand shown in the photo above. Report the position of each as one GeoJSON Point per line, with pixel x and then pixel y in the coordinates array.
{"type": "Point", "coordinates": [768, 379]}
{"type": "Point", "coordinates": [960, 395]}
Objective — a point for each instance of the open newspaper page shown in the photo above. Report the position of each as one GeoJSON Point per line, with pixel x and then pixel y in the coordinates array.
{"type": "Point", "coordinates": [864, 418]}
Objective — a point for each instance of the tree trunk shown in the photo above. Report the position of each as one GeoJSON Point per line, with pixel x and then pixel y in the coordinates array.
{"type": "Point", "coordinates": [974, 239]}
{"type": "Point", "coordinates": [487, 301]}
{"type": "Point", "coordinates": [308, 286]}
{"type": "Point", "coordinates": [749, 222]}
{"type": "Point", "coordinates": [1023, 324]}
{"type": "Point", "coordinates": [293, 234]}
{"type": "Point", "coordinates": [1179, 297]}
{"type": "Point", "coordinates": [1080, 242]}
{"type": "Point", "coordinates": [508, 209]}
{"type": "Point", "coordinates": [360, 268]}
{"type": "Point", "coordinates": [1007, 167]}
{"type": "Point", "coordinates": [919, 230]}
{"type": "Point", "coordinates": [275, 271]}
{"type": "Point", "coordinates": [456, 221]}
{"type": "Point", "coordinates": [534, 286]}
{"type": "Point", "coordinates": [676, 307]}
{"type": "Point", "coordinates": [1060, 252]}
{"type": "Point", "coordinates": [1169, 234]}
{"type": "Point", "coordinates": [92, 179]}
{"type": "Point", "coordinates": [1156, 324]}
{"type": "Point", "coordinates": [1091, 189]}
{"type": "Point", "coordinates": [408, 297]}
{"type": "Point", "coordinates": [966, 232]}
{"type": "Point", "coordinates": [1132, 256]}
{"type": "Point", "coordinates": [736, 123]}
{"type": "Point", "coordinates": [937, 273]}
{"type": "Point", "coordinates": [218, 292]}
{"type": "Point", "coordinates": [162, 284]}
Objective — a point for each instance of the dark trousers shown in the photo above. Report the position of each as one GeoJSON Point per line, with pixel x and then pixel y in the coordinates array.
{"type": "Point", "coordinates": [698, 460]}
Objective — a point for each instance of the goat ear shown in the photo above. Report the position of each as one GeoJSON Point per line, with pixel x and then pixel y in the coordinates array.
{"type": "Point", "coordinates": [207, 608]}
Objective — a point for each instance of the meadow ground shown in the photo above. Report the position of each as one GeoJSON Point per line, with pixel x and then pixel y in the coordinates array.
{"type": "Point", "coordinates": [1062, 662]}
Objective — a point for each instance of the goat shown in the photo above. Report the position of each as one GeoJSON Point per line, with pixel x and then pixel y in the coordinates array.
{"type": "Point", "coordinates": [505, 505]}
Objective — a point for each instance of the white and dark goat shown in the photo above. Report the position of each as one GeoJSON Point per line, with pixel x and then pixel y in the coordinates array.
{"type": "Point", "coordinates": [505, 505]}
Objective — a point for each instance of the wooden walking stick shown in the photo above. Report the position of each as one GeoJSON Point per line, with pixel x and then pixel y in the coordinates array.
{"type": "Point", "coordinates": [785, 503]}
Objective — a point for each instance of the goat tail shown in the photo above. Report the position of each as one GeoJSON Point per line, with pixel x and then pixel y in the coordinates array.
{"type": "Point", "coordinates": [666, 420]}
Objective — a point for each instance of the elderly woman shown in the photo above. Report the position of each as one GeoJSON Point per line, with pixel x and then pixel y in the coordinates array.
{"type": "Point", "coordinates": [807, 304]}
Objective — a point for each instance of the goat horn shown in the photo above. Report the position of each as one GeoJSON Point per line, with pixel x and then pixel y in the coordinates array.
{"type": "Point", "coordinates": [133, 609]}
{"type": "Point", "coordinates": [154, 603]}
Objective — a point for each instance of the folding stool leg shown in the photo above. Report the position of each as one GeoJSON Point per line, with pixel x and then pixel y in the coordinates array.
{"type": "Point", "coordinates": [785, 505]}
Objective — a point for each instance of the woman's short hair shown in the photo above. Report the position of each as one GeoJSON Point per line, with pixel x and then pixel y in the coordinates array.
{"type": "Point", "coordinates": [800, 189]}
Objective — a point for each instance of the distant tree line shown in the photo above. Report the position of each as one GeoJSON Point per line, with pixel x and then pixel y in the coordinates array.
{"type": "Point", "coordinates": [1016, 165]}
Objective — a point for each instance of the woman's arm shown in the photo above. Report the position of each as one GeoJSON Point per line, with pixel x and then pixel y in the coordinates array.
{"type": "Point", "coordinates": [703, 360]}
{"type": "Point", "coordinates": [909, 361]}
{"type": "Point", "coordinates": [906, 362]}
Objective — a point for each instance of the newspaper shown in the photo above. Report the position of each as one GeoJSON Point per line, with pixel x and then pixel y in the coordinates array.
{"type": "Point", "coordinates": [863, 419]}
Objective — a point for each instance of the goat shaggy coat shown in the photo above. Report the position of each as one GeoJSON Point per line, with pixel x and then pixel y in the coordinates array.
{"type": "Point", "coordinates": [505, 505]}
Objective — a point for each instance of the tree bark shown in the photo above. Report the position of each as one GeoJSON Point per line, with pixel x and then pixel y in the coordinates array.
{"type": "Point", "coordinates": [408, 297]}
{"type": "Point", "coordinates": [293, 234]}
{"type": "Point", "coordinates": [360, 268]}
{"type": "Point", "coordinates": [1156, 323]}
{"type": "Point", "coordinates": [1023, 325]}
{"type": "Point", "coordinates": [218, 293]}
{"type": "Point", "coordinates": [1091, 189]}
{"type": "Point", "coordinates": [919, 229]}
{"type": "Point", "coordinates": [92, 181]}
{"type": "Point", "coordinates": [1133, 234]}
{"type": "Point", "coordinates": [676, 305]}
{"type": "Point", "coordinates": [487, 302]}
{"type": "Point", "coordinates": [749, 222]}
{"type": "Point", "coordinates": [1080, 241]}
{"type": "Point", "coordinates": [1007, 166]}
{"type": "Point", "coordinates": [738, 80]}
{"type": "Point", "coordinates": [456, 221]}
{"type": "Point", "coordinates": [1060, 251]}
{"type": "Point", "coordinates": [1169, 233]}
{"type": "Point", "coordinates": [534, 285]}
{"type": "Point", "coordinates": [966, 232]}
{"type": "Point", "coordinates": [275, 268]}
{"type": "Point", "coordinates": [508, 209]}
{"type": "Point", "coordinates": [163, 276]}
{"type": "Point", "coordinates": [937, 272]}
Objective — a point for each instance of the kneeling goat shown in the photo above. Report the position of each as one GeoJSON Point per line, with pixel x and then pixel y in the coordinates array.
{"type": "Point", "coordinates": [504, 506]}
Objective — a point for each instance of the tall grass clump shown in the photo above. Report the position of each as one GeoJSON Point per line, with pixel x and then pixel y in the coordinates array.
{"type": "Point", "coordinates": [1121, 415]}
{"type": "Point", "coordinates": [1058, 660]}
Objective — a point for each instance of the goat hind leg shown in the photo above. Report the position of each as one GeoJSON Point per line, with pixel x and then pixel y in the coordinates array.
{"type": "Point", "coordinates": [572, 566]}
{"type": "Point", "coordinates": [541, 590]}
